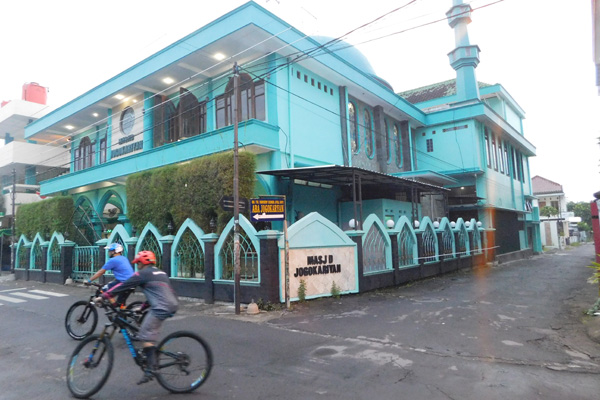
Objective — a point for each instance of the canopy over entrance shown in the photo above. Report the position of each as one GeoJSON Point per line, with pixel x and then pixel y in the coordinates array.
{"type": "Point", "coordinates": [359, 180]}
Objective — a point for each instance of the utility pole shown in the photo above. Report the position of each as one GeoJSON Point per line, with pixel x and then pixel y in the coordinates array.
{"type": "Point", "coordinates": [13, 195]}
{"type": "Point", "coordinates": [236, 194]}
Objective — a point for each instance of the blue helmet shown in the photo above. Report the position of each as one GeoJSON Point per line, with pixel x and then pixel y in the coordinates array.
{"type": "Point", "coordinates": [116, 247]}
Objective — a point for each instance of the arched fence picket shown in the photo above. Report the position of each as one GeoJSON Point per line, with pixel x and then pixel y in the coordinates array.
{"type": "Point", "coordinates": [202, 265]}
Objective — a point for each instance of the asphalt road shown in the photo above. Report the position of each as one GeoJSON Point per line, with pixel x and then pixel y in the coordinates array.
{"type": "Point", "coordinates": [512, 331]}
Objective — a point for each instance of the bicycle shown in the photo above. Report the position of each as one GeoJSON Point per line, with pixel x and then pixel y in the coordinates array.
{"type": "Point", "coordinates": [184, 359]}
{"type": "Point", "coordinates": [82, 317]}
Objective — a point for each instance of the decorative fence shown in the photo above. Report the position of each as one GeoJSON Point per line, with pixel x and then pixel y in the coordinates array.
{"type": "Point", "coordinates": [202, 264]}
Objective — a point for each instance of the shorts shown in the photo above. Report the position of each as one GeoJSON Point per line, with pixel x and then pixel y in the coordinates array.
{"type": "Point", "coordinates": [150, 329]}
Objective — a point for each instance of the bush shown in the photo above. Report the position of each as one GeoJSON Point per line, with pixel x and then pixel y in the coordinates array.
{"type": "Point", "coordinates": [192, 190]}
{"type": "Point", "coordinates": [335, 290]}
{"type": "Point", "coordinates": [302, 291]}
{"type": "Point", "coordinates": [45, 217]}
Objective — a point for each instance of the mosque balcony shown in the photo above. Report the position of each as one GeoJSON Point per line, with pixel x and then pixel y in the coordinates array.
{"type": "Point", "coordinates": [253, 135]}
{"type": "Point", "coordinates": [464, 56]}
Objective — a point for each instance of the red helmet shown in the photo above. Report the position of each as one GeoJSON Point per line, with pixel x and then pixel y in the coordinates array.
{"type": "Point", "coordinates": [145, 257]}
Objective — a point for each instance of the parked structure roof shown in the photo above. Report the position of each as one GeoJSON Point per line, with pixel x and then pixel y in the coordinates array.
{"type": "Point", "coordinates": [545, 186]}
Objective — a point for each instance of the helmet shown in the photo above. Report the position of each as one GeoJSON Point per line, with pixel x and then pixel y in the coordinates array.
{"type": "Point", "coordinates": [145, 257]}
{"type": "Point", "coordinates": [116, 247]}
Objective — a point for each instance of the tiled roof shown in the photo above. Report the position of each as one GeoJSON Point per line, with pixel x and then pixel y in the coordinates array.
{"type": "Point", "coordinates": [435, 91]}
{"type": "Point", "coordinates": [543, 186]}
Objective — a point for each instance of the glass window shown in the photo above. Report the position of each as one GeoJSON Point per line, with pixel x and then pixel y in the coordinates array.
{"type": "Point", "coordinates": [398, 142]}
{"type": "Point", "coordinates": [494, 160]}
{"type": "Point", "coordinates": [500, 159]}
{"type": "Point", "coordinates": [103, 150]}
{"type": "Point", "coordinates": [507, 171]}
{"type": "Point", "coordinates": [252, 101]}
{"type": "Point", "coordinates": [487, 148]}
{"type": "Point", "coordinates": [388, 146]}
{"type": "Point", "coordinates": [429, 145]}
{"type": "Point", "coordinates": [368, 133]}
{"type": "Point", "coordinates": [353, 127]}
{"type": "Point", "coordinates": [84, 156]}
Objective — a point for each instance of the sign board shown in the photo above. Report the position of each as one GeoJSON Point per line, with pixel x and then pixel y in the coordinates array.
{"type": "Point", "coordinates": [226, 203]}
{"type": "Point", "coordinates": [267, 209]}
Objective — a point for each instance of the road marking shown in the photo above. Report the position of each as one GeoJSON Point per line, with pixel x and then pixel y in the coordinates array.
{"type": "Point", "coordinates": [49, 293]}
{"type": "Point", "coordinates": [11, 300]}
{"type": "Point", "coordinates": [12, 290]}
{"type": "Point", "coordinates": [30, 296]}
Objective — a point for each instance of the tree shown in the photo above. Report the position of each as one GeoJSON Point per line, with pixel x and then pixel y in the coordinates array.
{"type": "Point", "coordinates": [583, 210]}
{"type": "Point", "coordinates": [548, 211]}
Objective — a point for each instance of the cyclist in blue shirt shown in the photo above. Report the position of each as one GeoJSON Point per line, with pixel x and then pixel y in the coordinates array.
{"type": "Point", "coordinates": [119, 265]}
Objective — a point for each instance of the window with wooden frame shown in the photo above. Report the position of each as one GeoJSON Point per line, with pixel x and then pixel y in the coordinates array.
{"type": "Point", "coordinates": [166, 125]}
{"type": "Point", "coordinates": [252, 101]}
{"type": "Point", "coordinates": [103, 150]}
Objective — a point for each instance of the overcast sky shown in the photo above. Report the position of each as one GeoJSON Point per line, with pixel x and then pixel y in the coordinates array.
{"type": "Point", "coordinates": [540, 51]}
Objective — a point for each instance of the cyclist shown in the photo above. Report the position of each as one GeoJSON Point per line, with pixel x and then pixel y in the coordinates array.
{"type": "Point", "coordinates": [119, 265]}
{"type": "Point", "coordinates": [163, 304]}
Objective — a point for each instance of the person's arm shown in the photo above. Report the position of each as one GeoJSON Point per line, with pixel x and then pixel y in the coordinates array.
{"type": "Point", "coordinates": [135, 280]}
{"type": "Point", "coordinates": [97, 275]}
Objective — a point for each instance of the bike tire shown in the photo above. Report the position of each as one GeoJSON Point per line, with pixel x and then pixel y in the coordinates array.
{"type": "Point", "coordinates": [184, 362]}
{"type": "Point", "coordinates": [90, 366]}
{"type": "Point", "coordinates": [81, 320]}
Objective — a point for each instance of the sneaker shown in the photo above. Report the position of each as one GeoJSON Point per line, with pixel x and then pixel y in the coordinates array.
{"type": "Point", "coordinates": [148, 376]}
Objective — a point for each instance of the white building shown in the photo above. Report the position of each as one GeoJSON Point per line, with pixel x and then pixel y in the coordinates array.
{"type": "Point", "coordinates": [554, 229]}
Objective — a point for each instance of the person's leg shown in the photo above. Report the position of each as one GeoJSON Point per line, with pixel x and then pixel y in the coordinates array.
{"type": "Point", "coordinates": [149, 333]}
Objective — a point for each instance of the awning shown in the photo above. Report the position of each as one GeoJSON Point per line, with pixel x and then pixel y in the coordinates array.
{"type": "Point", "coordinates": [337, 175]}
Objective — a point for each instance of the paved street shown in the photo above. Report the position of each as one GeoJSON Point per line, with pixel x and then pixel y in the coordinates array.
{"type": "Point", "coordinates": [515, 331]}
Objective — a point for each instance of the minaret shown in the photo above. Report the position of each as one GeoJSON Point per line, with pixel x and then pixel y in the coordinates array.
{"type": "Point", "coordinates": [465, 57]}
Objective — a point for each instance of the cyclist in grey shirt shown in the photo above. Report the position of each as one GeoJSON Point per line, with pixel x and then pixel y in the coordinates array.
{"type": "Point", "coordinates": [163, 303]}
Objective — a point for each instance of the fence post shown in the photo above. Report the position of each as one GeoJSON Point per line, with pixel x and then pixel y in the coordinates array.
{"type": "Point", "coordinates": [356, 237]}
{"type": "Point", "coordinates": [44, 247]}
{"type": "Point", "coordinates": [67, 250]}
{"type": "Point", "coordinates": [269, 265]}
{"type": "Point", "coordinates": [101, 260]}
{"type": "Point", "coordinates": [167, 244]}
{"type": "Point", "coordinates": [209, 266]}
{"type": "Point", "coordinates": [395, 254]}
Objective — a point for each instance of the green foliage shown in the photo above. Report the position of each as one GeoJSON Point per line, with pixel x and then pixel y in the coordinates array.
{"type": "Point", "coordinates": [583, 210]}
{"type": "Point", "coordinates": [582, 226]}
{"type": "Point", "coordinates": [548, 211]}
{"type": "Point", "coordinates": [267, 306]}
{"type": "Point", "coordinates": [302, 291]}
{"type": "Point", "coordinates": [46, 217]}
{"type": "Point", "coordinates": [335, 290]}
{"type": "Point", "coordinates": [191, 190]}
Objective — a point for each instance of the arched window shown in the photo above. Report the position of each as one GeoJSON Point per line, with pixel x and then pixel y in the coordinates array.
{"type": "Point", "coordinates": [84, 155]}
{"type": "Point", "coordinates": [368, 134]}
{"type": "Point", "coordinates": [353, 127]}
{"type": "Point", "coordinates": [252, 101]}
{"type": "Point", "coordinates": [165, 122]}
{"type": "Point", "coordinates": [398, 143]}
{"type": "Point", "coordinates": [388, 147]}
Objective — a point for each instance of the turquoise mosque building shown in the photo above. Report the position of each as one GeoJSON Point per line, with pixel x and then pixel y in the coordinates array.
{"type": "Point", "coordinates": [327, 133]}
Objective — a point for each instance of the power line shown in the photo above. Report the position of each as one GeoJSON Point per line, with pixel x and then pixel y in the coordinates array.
{"type": "Point", "coordinates": [321, 47]}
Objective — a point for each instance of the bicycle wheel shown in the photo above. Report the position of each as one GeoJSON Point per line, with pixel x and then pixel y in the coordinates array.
{"type": "Point", "coordinates": [184, 362]}
{"type": "Point", "coordinates": [81, 320]}
{"type": "Point", "coordinates": [89, 366]}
